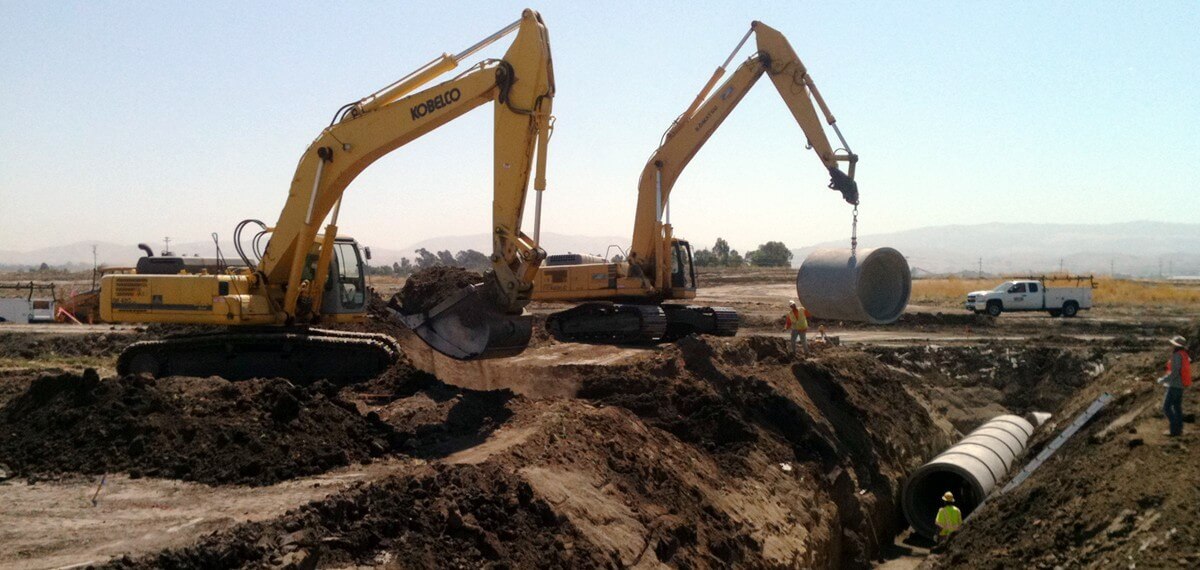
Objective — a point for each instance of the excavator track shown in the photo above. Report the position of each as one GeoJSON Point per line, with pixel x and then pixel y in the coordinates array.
{"type": "Point", "coordinates": [683, 320]}
{"type": "Point", "coordinates": [299, 354]}
{"type": "Point", "coordinates": [609, 323]}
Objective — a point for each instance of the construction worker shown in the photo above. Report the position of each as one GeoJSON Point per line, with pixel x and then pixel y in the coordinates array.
{"type": "Point", "coordinates": [949, 518]}
{"type": "Point", "coordinates": [797, 322]}
{"type": "Point", "coordinates": [1178, 377]}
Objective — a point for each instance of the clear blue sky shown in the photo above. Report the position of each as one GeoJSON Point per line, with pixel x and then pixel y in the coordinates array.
{"type": "Point", "coordinates": [127, 121]}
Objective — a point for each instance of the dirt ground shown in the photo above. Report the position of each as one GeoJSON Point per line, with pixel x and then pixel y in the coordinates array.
{"type": "Point", "coordinates": [700, 453]}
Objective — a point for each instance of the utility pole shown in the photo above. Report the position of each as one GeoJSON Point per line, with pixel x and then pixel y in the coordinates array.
{"type": "Point", "coordinates": [95, 267]}
{"type": "Point", "coordinates": [981, 268]}
{"type": "Point", "coordinates": [1112, 267]}
{"type": "Point", "coordinates": [1060, 265]}
{"type": "Point", "coordinates": [166, 246]}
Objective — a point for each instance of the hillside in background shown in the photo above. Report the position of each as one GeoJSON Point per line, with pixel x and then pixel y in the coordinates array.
{"type": "Point", "coordinates": [1142, 249]}
{"type": "Point", "coordinates": [1133, 248]}
{"type": "Point", "coordinates": [79, 255]}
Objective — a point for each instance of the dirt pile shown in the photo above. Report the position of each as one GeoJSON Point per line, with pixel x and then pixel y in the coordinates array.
{"type": "Point", "coordinates": [426, 288]}
{"type": "Point", "coordinates": [1118, 494]}
{"type": "Point", "coordinates": [840, 418]}
{"type": "Point", "coordinates": [460, 516]}
{"type": "Point", "coordinates": [31, 346]}
{"type": "Point", "coordinates": [207, 430]}
{"type": "Point", "coordinates": [709, 453]}
{"type": "Point", "coordinates": [427, 417]}
{"type": "Point", "coordinates": [972, 384]}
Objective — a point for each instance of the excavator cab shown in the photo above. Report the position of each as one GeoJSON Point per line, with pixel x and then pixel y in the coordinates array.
{"type": "Point", "coordinates": [346, 287]}
{"type": "Point", "coordinates": [683, 272]}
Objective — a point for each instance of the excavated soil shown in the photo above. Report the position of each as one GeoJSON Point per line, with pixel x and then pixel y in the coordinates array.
{"type": "Point", "coordinates": [708, 453]}
{"type": "Point", "coordinates": [206, 430]}
{"type": "Point", "coordinates": [426, 288]}
{"type": "Point", "coordinates": [973, 384]}
{"type": "Point", "coordinates": [40, 346]}
{"type": "Point", "coordinates": [703, 453]}
{"type": "Point", "coordinates": [1119, 494]}
{"type": "Point", "coordinates": [443, 516]}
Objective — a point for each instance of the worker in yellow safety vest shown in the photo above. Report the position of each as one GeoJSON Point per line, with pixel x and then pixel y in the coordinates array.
{"type": "Point", "coordinates": [796, 321]}
{"type": "Point", "coordinates": [949, 518]}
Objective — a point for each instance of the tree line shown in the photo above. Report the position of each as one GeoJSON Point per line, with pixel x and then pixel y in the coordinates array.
{"type": "Point", "coordinates": [770, 254]}
{"type": "Point", "coordinates": [467, 259]}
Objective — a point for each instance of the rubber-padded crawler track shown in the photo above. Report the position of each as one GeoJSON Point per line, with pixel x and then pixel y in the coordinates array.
{"type": "Point", "coordinates": [614, 323]}
{"type": "Point", "coordinates": [298, 354]}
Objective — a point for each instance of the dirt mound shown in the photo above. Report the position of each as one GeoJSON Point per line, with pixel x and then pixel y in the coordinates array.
{"type": "Point", "coordinates": [461, 516]}
{"type": "Point", "coordinates": [1118, 494]}
{"type": "Point", "coordinates": [207, 430]}
{"type": "Point", "coordinates": [972, 384]}
{"type": "Point", "coordinates": [846, 417]}
{"type": "Point", "coordinates": [32, 346]}
{"type": "Point", "coordinates": [426, 288]}
{"type": "Point", "coordinates": [427, 417]}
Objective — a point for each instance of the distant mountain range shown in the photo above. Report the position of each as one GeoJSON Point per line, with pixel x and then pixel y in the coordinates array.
{"type": "Point", "coordinates": [79, 255]}
{"type": "Point", "coordinates": [1134, 248]}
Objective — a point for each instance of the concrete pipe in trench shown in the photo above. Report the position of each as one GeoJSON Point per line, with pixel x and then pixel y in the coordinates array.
{"type": "Point", "coordinates": [970, 469]}
{"type": "Point", "coordinates": [872, 286]}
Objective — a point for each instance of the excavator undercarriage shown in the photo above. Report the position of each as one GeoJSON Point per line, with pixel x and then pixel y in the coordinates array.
{"type": "Point", "coordinates": [297, 353]}
{"type": "Point", "coordinates": [627, 323]}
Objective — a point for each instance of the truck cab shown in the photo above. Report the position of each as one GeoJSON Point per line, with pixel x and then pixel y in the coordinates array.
{"type": "Point", "coordinates": [1030, 295]}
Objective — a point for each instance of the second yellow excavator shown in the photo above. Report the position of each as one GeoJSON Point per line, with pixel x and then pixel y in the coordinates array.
{"type": "Point", "coordinates": [623, 301]}
{"type": "Point", "coordinates": [261, 313]}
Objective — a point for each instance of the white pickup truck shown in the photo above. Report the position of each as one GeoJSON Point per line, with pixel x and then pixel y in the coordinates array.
{"type": "Point", "coordinates": [1030, 295]}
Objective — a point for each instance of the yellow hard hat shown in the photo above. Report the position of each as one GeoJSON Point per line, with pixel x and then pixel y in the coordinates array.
{"type": "Point", "coordinates": [948, 497]}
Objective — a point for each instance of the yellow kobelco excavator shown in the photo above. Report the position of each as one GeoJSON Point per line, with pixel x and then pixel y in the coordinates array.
{"type": "Point", "coordinates": [304, 277]}
{"type": "Point", "coordinates": [623, 301]}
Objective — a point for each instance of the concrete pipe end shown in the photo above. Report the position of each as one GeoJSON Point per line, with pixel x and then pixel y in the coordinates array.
{"type": "Point", "coordinates": [884, 285]}
{"type": "Point", "coordinates": [924, 489]}
{"type": "Point", "coordinates": [871, 286]}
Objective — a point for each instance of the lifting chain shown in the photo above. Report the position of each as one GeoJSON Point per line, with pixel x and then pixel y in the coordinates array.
{"type": "Point", "coordinates": [854, 233]}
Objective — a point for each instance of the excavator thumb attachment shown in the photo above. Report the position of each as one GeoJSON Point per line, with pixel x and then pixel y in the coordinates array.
{"type": "Point", "coordinates": [466, 326]}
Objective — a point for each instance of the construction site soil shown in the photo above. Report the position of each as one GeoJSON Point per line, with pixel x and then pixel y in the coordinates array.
{"type": "Point", "coordinates": [426, 288]}
{"type": "Point", "coordinates": [1119, 494]}
{"type": "Point", "coordinates": [701, 453]}
{"type": "Point", "coordinates": [208, 430]}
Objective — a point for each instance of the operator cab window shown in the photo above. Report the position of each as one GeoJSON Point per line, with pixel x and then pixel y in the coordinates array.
{"type": "Point", "coordinates": [682, 273]}
{"type": "Point", "coordinates": [1033, 288]}
{"type": "Point", "coordinates": [351, 289]}
{"type": "Point", "coordinates": [1018, 288]}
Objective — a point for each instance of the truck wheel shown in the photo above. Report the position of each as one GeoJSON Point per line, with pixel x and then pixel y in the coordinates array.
{"type": "Point", "coordinates": [1070, 308]}
{"type": "Point", "coordinates": [1055, 312]}
{"type": "Point", "coordinates": [994, 308]}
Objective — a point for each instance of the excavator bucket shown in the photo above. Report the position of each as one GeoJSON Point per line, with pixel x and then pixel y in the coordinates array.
{"type": "Point", "coordinates": [466, 326]}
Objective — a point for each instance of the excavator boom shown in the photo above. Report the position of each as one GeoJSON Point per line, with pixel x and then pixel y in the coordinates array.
{"type": "Point", "coordinates": [308, 274]}
{"type": "Point", "coordinates": [687, 135]}
{"type": "Point", "coordinates": [628, 307]}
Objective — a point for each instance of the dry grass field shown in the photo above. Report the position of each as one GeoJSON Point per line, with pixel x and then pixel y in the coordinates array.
{"type": "Point", "coordinates": [1115, 293]}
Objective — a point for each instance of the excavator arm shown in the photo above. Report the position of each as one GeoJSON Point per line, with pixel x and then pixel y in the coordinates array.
{"type": "Point", "coordinates": [521, 85]}
{"type": "Point", "coordinates": [776, 58]}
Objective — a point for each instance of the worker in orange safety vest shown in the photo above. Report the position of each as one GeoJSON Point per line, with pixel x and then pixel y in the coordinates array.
{"type": "Point", "coordinates": [796, 321]}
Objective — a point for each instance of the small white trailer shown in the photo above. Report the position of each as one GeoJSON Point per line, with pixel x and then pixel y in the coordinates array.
{"type": "Point", "coordinates": [16, 310]}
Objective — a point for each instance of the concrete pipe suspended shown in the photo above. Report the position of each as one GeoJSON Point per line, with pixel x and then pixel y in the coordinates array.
{"type": "Point", "coordinates": [871, 287]}
{"type": "Point", "coordinates": [970, 469]}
